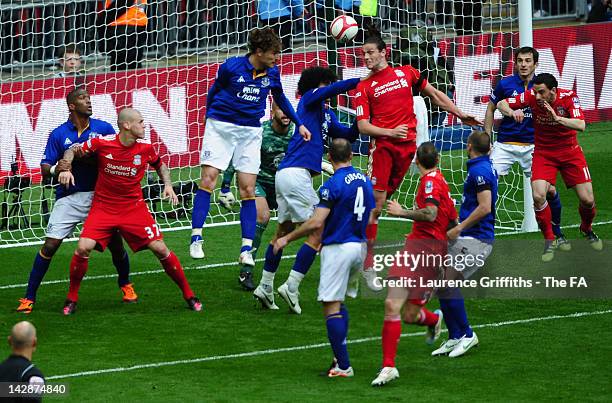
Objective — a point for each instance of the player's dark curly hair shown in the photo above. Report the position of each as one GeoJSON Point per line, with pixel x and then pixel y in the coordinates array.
{"type": "Point", "coordinates": [264, 39]}
{"type": "Point", "coordinates": [373, 35]}
{"type": "Point", "coordinates": [73, 95]}
{"type": "Point", "coordinates": [546, 78]}
{"type": "Point", "coordinates": [427, 155]}
{"type": "Point", "coordinates": [312, 77]}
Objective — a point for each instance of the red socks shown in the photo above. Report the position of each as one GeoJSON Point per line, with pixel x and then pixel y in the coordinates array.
{"type": "Point", "coordinates": [427, 318]}
{"type": "Point", "coordinates": [78, 268]}
{"type": "Point", "coordinates": [371, 232]}
{"type": "Point", "coordinates": [544, 219]}
{"type": "Point", "coordinates": [173, 268]}
{"type": "Point", "coordinates": [586, 217]}
{"type": "Point", "coordinates": [392, 330]}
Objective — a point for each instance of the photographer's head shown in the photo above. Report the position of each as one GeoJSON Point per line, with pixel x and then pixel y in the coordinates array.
{"type": "Point", "coordinates": [79, 102]}
{"type": "Point", "coordinates": [427, 157]}
{"type": "Point", "coordinates": [478, 144]}
{"type": "Point", "coordinates": [340, 153]}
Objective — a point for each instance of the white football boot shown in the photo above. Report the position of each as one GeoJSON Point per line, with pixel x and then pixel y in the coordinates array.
{"type": "Point", "coordinates": [246, 259]}
{"type": "Point", "coordinates": [196, 251]}
{"type": "Point", "coordinates": [446, 347]}
{"type": "Point", "coordinates": [465, 343]}
{"type": "Point", "coordinates": [386, 375]}
{"type": "Point", "coordinates": [266, 298]}
{"type": "Point", "coordinates": [369, 276]}
{"type": "Point", "coordinates": [291, 298]}
{"type": "Point", "coordinates": [433, 332]}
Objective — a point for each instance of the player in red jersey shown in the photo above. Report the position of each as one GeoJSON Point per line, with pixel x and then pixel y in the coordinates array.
{"type": "Point", "coordinates": [434, 211]}
{"type": "Point", "coordinates": [385, 112]}
{"type": "Point", "coordinates": [557, 116]}
{"type": "Point", "coordinates": [118, 204]}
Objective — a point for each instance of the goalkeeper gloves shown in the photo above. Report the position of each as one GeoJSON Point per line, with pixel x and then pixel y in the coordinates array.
{"type": "Point", "coordinates": [227, 199]}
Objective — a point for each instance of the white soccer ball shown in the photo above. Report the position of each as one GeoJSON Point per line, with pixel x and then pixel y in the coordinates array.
{"type": "Point", "coordinates": [344, 28]}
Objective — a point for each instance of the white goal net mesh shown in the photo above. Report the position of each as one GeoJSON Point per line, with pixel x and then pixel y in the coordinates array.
{"type": "Point", "coordinates": [165, 68]}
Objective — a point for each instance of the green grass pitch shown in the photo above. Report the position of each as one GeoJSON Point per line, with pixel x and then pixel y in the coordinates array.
{"type": "Point", "coordinates": [234, 351]}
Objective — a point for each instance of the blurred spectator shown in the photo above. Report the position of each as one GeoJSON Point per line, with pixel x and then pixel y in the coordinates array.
{"type": "Point", "coordinates": [601, 10]}
{"type": "Point", "coordinates": [18, 366]}
{"type": "Point", "coordinates": [122, 29]}
{"type": "Point", "coordinates": [468, 17]}
{"type": "Point", "coordinates": [70, 61]}
{"type": "Point", "coordinates": [279, 15]}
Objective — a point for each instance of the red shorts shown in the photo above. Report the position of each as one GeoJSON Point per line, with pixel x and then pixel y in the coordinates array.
{"type": "Point", "coordinates": [135, 224]}
{"type": "Point", "coordinates": [415, 273]}
{"type": "Point", "coordinates": [388, 163]}
{"type": "Point", "coordinates": [571, 163]}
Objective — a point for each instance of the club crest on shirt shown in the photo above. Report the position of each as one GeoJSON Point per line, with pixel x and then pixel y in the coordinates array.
{"type": "Point", "coordinates": [576, 102]}
{"type": "Point", "coordinates": [428, 187]}
{"type": "Point", "coordinates": [480, 180]}
{"type": "Point", "coordinates": [265, 82]}
{"type": "Point", "coordinates": [137, 159]}
{"type": "Point", "coordinates": [325, 194]}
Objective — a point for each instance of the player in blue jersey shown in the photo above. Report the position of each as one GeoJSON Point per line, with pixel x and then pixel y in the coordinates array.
{"type": "Point", "coordinates": [72, 204]}
{"type": "Point", "coordinates": [515, 140]}
{"type": "Point", "coordinates": [295, 195]}
{"type": "Point", "coordinates": [346, 201]}
{"type": "Point", "coordinates": [235, 105]}
{"type": "Point", "coordinates": [473, 236]}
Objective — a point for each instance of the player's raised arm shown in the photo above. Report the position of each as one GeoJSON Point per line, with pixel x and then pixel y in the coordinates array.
{"type": "Point", "coordinates": [338, 130]}
{"type": "Point", "coordinates": [443, 101]}
{"type": "Point", "coordinates": [332, 90]}
{"type": "Point", "coordinates": [284, 104]}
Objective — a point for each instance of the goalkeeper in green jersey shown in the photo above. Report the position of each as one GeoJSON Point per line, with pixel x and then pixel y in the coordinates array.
{"type": "Point", "coordinates": [276, 134]}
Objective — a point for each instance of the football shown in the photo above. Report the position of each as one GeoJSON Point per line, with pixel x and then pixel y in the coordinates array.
{"type": "Point", "coordinates": [344, 28]}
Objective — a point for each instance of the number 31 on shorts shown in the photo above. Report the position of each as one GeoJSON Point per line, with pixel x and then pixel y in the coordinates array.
{"type": "Point", "coordinates": [150, 232]}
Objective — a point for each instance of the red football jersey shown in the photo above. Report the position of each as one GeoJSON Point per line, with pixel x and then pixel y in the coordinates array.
{"type": "Point", "coordinates": [550, 135]}
{"type": "Point", "coordinates": [120, 170]}
{"type": "Point", "coordinates": [433, 191]}
{"type": "Point", "coordinates": [385, 99]}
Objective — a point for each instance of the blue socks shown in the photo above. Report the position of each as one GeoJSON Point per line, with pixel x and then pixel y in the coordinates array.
{"type": "Point", "coordinates": [123, 269]}
{"type": "Point", "coordinates": [456, 308]}
{"type": "Point", "coordinates": [39, 269]}
{"type": "Point", "coordinates": [201, 205]}
{"type": "Point", "coordinates": [337, 328]}
{"type": "Point", "coordinates": [555, 209]}
{"type": "Point", "coordinates": [248, 221]}
{"type": "Point", "coordinates": [451, 324]}
{"type": "Point", "coordinates": [304, 258]}
{"type": "Point", "coordinates": [272, 261]}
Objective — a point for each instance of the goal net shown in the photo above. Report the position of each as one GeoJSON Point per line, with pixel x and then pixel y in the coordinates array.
{"type": "Point", "coordinates": [166, 67]}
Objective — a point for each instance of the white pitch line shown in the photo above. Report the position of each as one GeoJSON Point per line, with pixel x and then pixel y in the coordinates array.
{"type": "Point", "coordinates": [136, 273]}
{"type": "Point", "coordinates": [306, 347]}
{"type": "Point", "coordinates": [563, 226]}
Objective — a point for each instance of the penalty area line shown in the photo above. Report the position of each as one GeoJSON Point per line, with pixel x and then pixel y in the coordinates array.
{"type": "Point", "coordinates": [306, 347]}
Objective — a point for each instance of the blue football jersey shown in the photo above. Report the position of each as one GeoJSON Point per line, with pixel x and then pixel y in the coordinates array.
{"type": "Point", "coordinates": [509, 130]}
{"type": "Point", "coordinates": [240, 93]}
{"type": "Point", "coordinates": [322, 123]}
{"type": "Point", "coordinates": [481, 176]}
{"type": "Point", "coordinates": [350, 197]}
{"type": "Point", "coordinates": [84, 170]}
